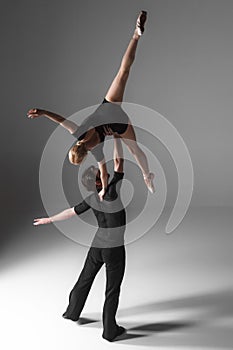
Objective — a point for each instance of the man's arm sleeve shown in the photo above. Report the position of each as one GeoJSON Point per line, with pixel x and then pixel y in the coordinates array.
{"type": "Point", "coordinates": [81, 207]}
{"type": "Point", "coordinates": [117, 177]}
{"type": "Point", "coordinates": [115, 184]}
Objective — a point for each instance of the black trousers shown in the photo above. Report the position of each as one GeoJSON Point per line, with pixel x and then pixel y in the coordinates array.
{"type": "Point", "coordinates": [114, 260]}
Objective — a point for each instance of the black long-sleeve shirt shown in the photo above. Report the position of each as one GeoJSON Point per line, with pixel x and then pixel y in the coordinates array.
{"type": "Point", "coordinates": [110, 214]}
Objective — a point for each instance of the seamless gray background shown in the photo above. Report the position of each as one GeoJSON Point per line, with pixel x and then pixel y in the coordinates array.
{"type": "Point", "coordinates": [62, 56]}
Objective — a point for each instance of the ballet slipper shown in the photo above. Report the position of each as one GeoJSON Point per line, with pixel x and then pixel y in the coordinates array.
{"type": "Point", "coordinates": [141, 22]}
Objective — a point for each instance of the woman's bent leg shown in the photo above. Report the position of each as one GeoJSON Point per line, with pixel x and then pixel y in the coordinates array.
{"type": "Point", "coordinates": [129, 139]}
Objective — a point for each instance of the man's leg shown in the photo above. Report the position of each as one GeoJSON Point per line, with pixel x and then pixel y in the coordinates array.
{"type": "Point", "coordinates": [114, 259]}
{"type": "Point", "coordinates": [117, 88]}
{"type": "Point", "coordinates": [79, 293]}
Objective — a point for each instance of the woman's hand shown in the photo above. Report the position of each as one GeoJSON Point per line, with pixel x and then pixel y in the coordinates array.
{"type": "Point", "coordinates": [42, 221]}
{"type": "Point", "coordinates": [102, 193]}
{"type": "Point", "coordinates": [35, 112]}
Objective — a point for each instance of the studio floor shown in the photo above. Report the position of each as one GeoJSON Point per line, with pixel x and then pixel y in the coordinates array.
{"type": "Point", "coordinates": [177, 291]}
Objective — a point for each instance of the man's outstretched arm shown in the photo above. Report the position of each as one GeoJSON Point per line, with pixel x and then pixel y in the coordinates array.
{"type": "Point", "coordinates": [64, 215]}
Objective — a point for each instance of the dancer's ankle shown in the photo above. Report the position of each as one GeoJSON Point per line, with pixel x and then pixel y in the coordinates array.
{"type": "Point", "coordinates": [135, 35]}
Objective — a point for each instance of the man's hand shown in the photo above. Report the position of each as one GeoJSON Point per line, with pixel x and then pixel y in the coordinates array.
{"type": "Point", "coordinates": [101, 194]}
{"type": "Point", "coordinates": [35, 112]}
{"type": "Point", "coordinates": [42, 221]}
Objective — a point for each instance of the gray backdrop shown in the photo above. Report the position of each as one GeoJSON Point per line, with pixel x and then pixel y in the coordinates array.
{"type": "Point", "coordinates": [62, 55]}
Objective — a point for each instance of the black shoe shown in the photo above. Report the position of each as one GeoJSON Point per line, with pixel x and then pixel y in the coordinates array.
{"type": "Point", "coordinates": [69, 318]}
{"type": "Point", "coordinates": [120, 331]}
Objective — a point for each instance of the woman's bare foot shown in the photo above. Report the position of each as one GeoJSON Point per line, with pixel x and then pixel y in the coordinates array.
{"type": "Point", "coordinates": [149, 182]}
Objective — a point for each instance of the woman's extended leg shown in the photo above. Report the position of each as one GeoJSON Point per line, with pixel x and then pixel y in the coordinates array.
{"type": "Point", "coordinates": [116, 92]}
{"type": "Point", "coordinates": [117, 88]}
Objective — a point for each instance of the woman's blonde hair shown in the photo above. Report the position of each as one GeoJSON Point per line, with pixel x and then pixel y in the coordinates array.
{"type": "Point", "coordinates": [77, 153]}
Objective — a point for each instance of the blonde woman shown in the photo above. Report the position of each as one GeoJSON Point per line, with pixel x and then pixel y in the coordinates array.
{"type": "Point", "coordinates": [108, 119]}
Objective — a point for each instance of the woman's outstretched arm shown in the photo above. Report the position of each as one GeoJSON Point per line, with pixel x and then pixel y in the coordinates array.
{"type": "Point", "coordinates": [67, 124]}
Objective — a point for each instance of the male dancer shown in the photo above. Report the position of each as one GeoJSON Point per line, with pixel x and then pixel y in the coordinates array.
{"type": "Point", "coordinates": [107, 246]}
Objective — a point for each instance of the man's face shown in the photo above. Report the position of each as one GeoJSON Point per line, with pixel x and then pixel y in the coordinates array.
{"type": "Point", "coordinates": [91, 179]}
{"type": "Point", "coordinates": [98, 182]}
{"type": "Point", "coordinates": [93, 171]}
{"type": "Point", "coordinates": [94, 174]}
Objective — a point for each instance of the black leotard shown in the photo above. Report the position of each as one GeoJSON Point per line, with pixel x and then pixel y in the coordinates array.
{"type": "Point", "coordinates": [109, 115]}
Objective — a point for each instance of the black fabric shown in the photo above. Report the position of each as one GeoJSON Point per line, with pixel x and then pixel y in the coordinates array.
{"type": "Point", "coordinates": [105, 101]}
{"type": "Point", "coordinates": [110, 214]}
{"type": "Point", "coordinates": [114, 186]}
{"type": "Point", "coordinates": [114, 260]}
{"type": "Point", "coordinates": [112, 257]}
{"type": "Point", "coordinates": [109, 115]}
{"type": "Point", "coordinates": [82, 207]}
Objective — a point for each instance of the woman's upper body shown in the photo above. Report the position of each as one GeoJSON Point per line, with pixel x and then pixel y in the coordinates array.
{"type": "Point", "coordinates": [89, 139]}
{"type": "Point", "coordinates": [107, 119]}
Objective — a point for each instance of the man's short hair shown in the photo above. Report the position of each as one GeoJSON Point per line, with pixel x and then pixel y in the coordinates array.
{"type": "Point", "coordinates": [90, 180]}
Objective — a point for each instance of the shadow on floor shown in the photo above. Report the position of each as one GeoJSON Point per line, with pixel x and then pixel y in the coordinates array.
{"type": "Point", "coordinates": [205, 330]}
{"type": "Point", "coordinates": [162, 327]}
{"type": "Point", "coordinates": [85, 320]}
{"type": "Point", "coordinates": [129, 336]}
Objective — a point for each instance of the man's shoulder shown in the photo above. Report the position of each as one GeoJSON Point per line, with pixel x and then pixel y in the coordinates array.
{"type": "Point", "coordinates": [113, 188]}
{"type": "Point", "coordinates": [117, 176]}
{"type": "Point", "coordinates": [89, 199]}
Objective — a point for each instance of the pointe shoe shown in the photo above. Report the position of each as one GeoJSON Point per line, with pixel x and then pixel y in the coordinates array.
{"type": "Point", "coordinates": [149, 182]}
{"type": "Point", "coordinates": [140, 22]}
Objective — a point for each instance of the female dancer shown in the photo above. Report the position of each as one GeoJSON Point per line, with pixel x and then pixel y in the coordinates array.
{"type": "Point", "coordinates": [108, 119]}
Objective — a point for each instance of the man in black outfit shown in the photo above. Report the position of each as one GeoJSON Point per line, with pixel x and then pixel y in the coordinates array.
{"type": "Point", "coordinates": [107, 246]}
